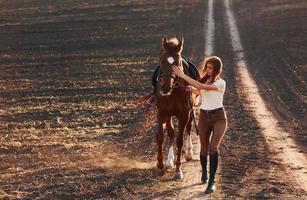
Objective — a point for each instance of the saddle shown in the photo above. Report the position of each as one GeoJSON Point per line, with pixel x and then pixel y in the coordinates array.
{"type": "Point", "coordinates": [189, 68]}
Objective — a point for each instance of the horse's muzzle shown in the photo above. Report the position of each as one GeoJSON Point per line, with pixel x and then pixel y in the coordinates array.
{"type": "Point", "coordinates": [165, 91]}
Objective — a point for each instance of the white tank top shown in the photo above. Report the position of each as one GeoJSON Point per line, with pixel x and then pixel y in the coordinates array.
{"type": "Point", "coordinates": [213, 99]}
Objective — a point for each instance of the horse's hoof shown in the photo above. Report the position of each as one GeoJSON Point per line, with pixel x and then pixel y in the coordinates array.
{"type": "Point", "coordinates": [188, 156]}
{"type": "Point", "coordinates": [178, 175]}
{"type": "Point", "coordinates": [169, 164]}
{"type": "Point", "coordinates": [160, 166]}
{"type": "Point", "coordinates": [160, 172]}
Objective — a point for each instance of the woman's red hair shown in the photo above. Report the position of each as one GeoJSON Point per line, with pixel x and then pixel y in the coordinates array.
{"type": "Point", "coordinates": [217, 64]}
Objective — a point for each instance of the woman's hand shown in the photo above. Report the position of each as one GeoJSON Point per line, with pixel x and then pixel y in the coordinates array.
{"type": "Point", "coordinates": [178, 71]}
{"type": "Point", "coordinates": [189, 88]}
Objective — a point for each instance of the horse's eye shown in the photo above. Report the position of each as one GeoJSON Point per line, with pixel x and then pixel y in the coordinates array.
{"type": "Point", "coordinates": [170, 60]}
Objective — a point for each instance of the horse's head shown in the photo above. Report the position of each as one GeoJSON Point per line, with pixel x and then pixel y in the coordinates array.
{"type": "Point", "coordinates": [170, 55]}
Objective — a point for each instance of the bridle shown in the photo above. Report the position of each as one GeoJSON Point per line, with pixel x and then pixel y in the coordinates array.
{"type": "Point", "coordinates": [166, 74]}
{"type": "Point", "coordinates": [177, 82]}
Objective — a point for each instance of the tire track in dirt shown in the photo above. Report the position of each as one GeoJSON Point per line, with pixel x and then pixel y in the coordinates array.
{"type": "Point", "coordinates": [274, 35]}
{"type": "Point", "coordinates": [244, 148]}
{"type": "Point", "coordinates": [277, 138]}
{"type": "Point", "coordinates": [191, 187]}
{"type": "Point", "coordinates": [209, 29]}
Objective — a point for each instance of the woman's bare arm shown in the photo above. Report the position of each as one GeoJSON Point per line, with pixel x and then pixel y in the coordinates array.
{"type": "Point", "coordinates": [194, 83]}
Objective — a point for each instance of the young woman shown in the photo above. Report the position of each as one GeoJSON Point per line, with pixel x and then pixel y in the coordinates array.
{"type": "Point", "coordinates": [212, 119]}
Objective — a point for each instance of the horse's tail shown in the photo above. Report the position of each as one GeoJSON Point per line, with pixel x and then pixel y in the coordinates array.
{"type": "Point", "coordinates": [146, 101]}
{"type": "Point", "coordinates": [143, 99]}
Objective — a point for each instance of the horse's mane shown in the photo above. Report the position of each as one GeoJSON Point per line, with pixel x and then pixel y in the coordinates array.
{"type": "Point", "coordinates": [171, 44]}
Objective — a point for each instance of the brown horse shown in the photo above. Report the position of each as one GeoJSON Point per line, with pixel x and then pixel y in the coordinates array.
{"type": "Point", "coordinates": [173, 99]}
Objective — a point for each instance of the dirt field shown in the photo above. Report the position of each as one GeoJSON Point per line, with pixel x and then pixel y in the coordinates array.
{"type": "Point", "coordinates": [278, 57]}
{"type": "Point", "coordinates": [70, 74]}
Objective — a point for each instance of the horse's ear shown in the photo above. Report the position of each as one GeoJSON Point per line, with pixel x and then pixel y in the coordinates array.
{"type": "Point", "coordinates": [180, 45]}
{"type": "Point", "coordinates": [164, 42]}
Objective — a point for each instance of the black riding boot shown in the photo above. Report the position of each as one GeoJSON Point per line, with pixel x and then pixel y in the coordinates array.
{"type": "Point", "coordinates": [213, 167]}
{"type": "Point", "coordinates": [203, 162]}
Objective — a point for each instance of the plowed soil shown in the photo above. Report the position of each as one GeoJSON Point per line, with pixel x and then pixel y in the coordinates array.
{"type": "Point", "coordinates": [71, 72]}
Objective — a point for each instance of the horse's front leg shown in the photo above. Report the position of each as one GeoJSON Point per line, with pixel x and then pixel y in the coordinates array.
{"type": "Point", "coordinates": [160, 140]}
{"type": "Point", "coordinates": [189, 146]}
{"type": "Point", "coordinates": [182, 125]}
{"type": "Point", "coordinates": [171, 136]}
